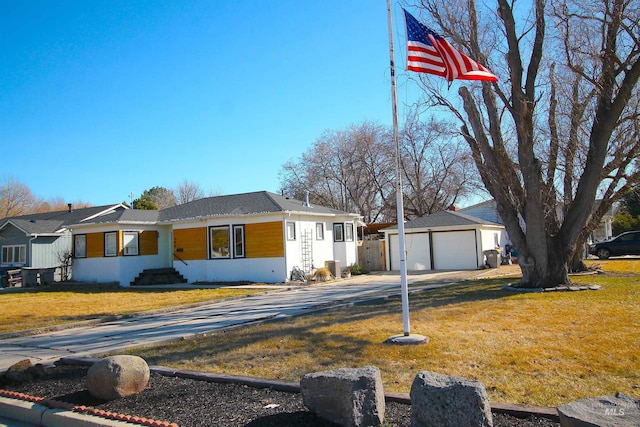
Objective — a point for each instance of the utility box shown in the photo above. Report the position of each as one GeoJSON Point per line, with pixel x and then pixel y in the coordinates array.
{"type": "Point", "coordinates": [29, 277]}
{"type": "Point", "coordinates": [334, 268]}
{"type": "Point", "coordinates": [492, 256]}
{"type": "Point", "coordinates": [47, 275]}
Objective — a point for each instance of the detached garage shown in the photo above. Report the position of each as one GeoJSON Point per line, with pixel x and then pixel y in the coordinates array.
{"type": "Point", "coordinates": [446, 240]}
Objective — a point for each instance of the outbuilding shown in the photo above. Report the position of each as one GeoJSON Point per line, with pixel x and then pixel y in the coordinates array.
{"type": "Point", "coordinates": [446, 240]}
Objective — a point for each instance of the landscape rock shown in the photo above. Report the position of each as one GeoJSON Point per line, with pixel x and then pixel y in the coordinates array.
{"type": "Point", "coordinates": [620, 410]}
{"type": "Point", "coordinates": [117, 376]}
{"type": "Point", "coordinates": [439, 400]}
{"type": "Point", "coordinates": [18, 372]}
{"type": "Point", "coordinates": [349, 397]}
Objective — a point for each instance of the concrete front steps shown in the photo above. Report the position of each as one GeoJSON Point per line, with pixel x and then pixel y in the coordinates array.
{"type": "Point", "coordinates": [158, 276]}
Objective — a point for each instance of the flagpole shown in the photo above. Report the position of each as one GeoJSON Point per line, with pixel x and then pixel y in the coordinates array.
{"type": "Point", "coordinates": [399, 199]}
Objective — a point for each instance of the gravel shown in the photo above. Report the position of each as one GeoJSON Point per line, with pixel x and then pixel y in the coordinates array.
{"type": "Point", "coordinates": [193, 403]}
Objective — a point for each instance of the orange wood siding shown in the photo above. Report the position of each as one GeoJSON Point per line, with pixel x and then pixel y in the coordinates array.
{"type": "Point", "coordinates": [120, 243]}
{"type": "Point", "coordinates": [264, 240]}
{"type": "Point", "coordinates": [95, 245]}
{"type": "Point", "coordinates": [190, 243]}
{"type": "Point", "coordinates": [148, 241]}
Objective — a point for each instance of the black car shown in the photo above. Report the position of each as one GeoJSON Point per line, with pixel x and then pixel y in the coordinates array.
{"type": "Point", "coordinates": [625, 244]}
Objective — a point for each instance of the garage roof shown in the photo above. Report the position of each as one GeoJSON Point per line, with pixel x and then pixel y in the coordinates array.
{"type": "Point", "coordinates": [444, 219]}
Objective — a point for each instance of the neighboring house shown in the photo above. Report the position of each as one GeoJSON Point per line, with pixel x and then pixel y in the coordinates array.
{"type": "Point", "coordinates": [257, 237]}
{"type": "Point", "coordinates": [38, 240]}
{"type": "Point", "coordinates": [445, 240]}
{"type": "Point", "coordinates": [487, 210]}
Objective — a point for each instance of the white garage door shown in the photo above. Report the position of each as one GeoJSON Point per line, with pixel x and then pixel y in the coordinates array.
{"type": "Point", "coordinates": [455, 250]}
{"type": "Point", "coordinates": [417, 246]}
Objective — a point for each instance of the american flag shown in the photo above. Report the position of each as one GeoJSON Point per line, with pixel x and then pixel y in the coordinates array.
{"type": "Point", "coordinates": [427, 52]}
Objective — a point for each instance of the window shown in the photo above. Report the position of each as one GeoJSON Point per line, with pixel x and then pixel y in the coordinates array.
{"type": "Point", "coordinates": [338, 232]}
{"type": "Point", "coordinates": [291, 231]}
{"type": "Point", "coordinates": [348, 232]}
{"type": "Point", "coordinates": [14, 254]}
{"type": "Point", "coordinates": [319, 231]}
{"type": "Point", "coordinates": [220, 247]}
{"type": "Point", "coordinates": [111, 244]}
{"type": "Point", "coordinates": [130, 242]}
{"type": "Point", "coordinates": [80, 246]}
{"type": "Point", "coordinates": [238, 241]}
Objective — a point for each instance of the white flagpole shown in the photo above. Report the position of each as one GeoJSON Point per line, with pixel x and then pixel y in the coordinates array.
{"type": "Point", "coordinates": [399, 200]}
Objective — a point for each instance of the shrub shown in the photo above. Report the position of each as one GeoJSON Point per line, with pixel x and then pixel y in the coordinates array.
{"type": "Point", "coordinates": [322, 275]}
{"type": "Point", "coordinates": [356, 270]}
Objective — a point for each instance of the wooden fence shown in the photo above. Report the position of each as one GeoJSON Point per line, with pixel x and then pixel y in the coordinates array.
{"type": "Point", "coordinates": [372, 255]}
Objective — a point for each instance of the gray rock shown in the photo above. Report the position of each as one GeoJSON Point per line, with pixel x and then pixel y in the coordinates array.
{"type": "Point", "coordinates": [349, 397]}
{"type": "Point", "coordinates": [442, 401]}
{"type": "Point", "coordinates": [620, 410]}
{"type": "Point", "coordinates": [117, 376]}
{"type": "Point", "coordinates": [18, 372]}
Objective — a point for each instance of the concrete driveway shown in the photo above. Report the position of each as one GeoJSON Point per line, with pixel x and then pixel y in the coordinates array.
{"type": "Point", "coordinates": [83, 340]}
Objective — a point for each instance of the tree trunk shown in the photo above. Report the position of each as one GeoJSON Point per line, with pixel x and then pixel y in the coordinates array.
{"type": "Point", "coordinates": [539, 272]}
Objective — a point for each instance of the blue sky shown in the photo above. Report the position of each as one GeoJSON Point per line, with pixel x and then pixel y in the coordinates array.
{"type": "Point", "coordinates": [103, 98]}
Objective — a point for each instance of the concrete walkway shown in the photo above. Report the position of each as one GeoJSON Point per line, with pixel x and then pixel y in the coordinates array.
{"type": "Point", "coordinates": [164, 327]}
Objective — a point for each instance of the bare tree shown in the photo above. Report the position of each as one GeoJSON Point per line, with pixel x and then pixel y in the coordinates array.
{"type": "Point", "coordinates": [354, 170]}
{"type": "Point", "coordinates": [188, 191]}
{"type": "Point", "coordinates": [15, 198]}
{"type": "Point", "coordinates": [348, 170]}
{"type": "Point", "coordinates": [438, 170]}
{"type": "Point", "coordinates": [561, 126]}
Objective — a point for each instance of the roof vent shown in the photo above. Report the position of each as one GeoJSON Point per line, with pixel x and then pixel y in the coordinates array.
{"type": "Point", "coordinates": [306, 200]}
{"type": "Point", "coordinates": [69, 205]}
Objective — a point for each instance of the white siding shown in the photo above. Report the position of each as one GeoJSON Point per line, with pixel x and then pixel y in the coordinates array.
{"type": "Point", "coordinates": [259, 270]}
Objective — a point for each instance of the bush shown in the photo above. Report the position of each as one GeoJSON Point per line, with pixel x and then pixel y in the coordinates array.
{"type": "Point", "coordinates": [624, 221]}
{"type": "Point", "coordinates": [322, 275]}
{"type": "Point", "coordinates": [356, 270]}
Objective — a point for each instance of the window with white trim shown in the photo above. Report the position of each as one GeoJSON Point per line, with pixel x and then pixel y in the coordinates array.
{"type": "Point", "coordinates": [111, 244]}
{"type": "Point", "coordinates": [80, 246]}
{"type": "Point", "coordinates": [238, 241]}
{"type": "Point", "coordinates": [348, 232]}
{"type": "Point", "coordinates": [319, 231]}
{"type": "Point", "coordinates": [14, 254]}
{"type": "Point", "coordinates": [219, 242]}
{"type": "Point", "coordinates": [338, 232]}
{"type": "Point", "coordinates": [291, 231]}
{"type": "Point", "coordinates": [130, 243]}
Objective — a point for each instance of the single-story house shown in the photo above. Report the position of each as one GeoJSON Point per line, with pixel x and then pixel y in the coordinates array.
{"type": "Point", "coordinates": [446, 240]}
{"type": "Point", "coordinates": [37, 241]}
{"type": "Point", "coordinates": [256, 237]}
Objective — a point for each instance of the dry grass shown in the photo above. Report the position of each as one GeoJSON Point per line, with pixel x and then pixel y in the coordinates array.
{"type": "Point", "coordinates": [541, 349]}
{"type": "Point", "coordinates": [28, 310]}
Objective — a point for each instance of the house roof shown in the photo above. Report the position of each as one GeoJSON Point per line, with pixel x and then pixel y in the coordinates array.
{"type": "Point", "coordinates": [444, 219]}
{"type": "Point", "coordinates": [259, 202]}
{"type": "Point", "coordinates": [56, 222]}
{"type": "Point", "coordinates": [125, 216]}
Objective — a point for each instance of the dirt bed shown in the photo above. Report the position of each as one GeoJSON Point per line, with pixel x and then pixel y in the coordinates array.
{"type": "Point", "coordinates": [193, 403]}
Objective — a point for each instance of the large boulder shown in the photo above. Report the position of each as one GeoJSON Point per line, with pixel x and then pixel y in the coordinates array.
{"type": "Point", "coordinates": [442, 401]}
{"type": "Point", "coordinates": [117, 376]}
{"type": "Point", "coordinates": [620, 410]}
{"type": "Point", "coordinates": [349, 397]}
